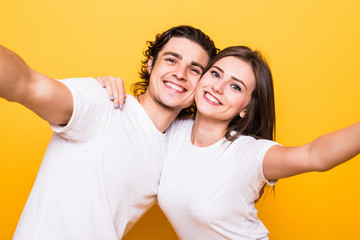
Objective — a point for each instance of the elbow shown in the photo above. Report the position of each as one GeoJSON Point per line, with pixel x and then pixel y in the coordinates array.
{"type": "Point", "coordinates": [320, 165]}
{"type": "Point", "coordinates": [317, 160]}
{"type": "Point", "coordinates": [324, 168]}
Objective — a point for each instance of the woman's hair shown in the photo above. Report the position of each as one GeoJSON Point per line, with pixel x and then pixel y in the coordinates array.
{"type": "Point", "coordinates": [188, 32]}
{"type": "Point", "coordinates": [259, 119]}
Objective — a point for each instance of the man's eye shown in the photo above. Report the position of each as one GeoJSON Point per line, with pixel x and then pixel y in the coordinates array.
{"type": "Point", "coordinates": [170, 60]}
{"type": "Point", "coordinates": [236, 87]}
{"type": "Point", "coordinates": [215, 74]}
{"type": "Point", "coordinates": [195, 70]}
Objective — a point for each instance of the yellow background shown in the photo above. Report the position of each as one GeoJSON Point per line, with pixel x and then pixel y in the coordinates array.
{"type": "Point", "coordinates": [313, 49]}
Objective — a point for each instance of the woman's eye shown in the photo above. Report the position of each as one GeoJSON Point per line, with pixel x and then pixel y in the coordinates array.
{"type": "Point", "coordinates": [236, 87]}
{"type": "Point", "coordinates": [215, 74]}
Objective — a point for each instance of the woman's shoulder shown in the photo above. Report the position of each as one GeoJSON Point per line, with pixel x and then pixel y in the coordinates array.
{"type": "Point", "coordinates": [180, 123]}
{"type": "Point", "coordinates": [249, 141]}
{"type": "Point", "coordinates": [179, 128]}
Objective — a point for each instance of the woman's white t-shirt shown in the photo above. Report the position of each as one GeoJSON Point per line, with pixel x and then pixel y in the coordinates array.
{"type": "Point", "coordinates": [210, 192]}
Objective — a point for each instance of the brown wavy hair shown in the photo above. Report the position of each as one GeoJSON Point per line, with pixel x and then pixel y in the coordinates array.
{"type": "Point", "coordinates": [188, 32]}
{"type": "Point", "coordinates": [259, 119]}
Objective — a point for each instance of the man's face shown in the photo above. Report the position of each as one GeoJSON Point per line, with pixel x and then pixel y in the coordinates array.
{"type": "Point", "coordinates": [176, 72]}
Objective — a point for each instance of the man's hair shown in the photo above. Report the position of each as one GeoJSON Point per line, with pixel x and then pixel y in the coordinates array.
{"type": "Point", "coordinates": [188, 32]}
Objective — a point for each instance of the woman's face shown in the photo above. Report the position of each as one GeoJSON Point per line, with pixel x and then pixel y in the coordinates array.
{"type": "Point", "coordinates": [224, 91]}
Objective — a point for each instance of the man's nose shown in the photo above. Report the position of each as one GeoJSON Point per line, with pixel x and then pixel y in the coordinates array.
{"type": "Point", "coordinates": [180, 73]}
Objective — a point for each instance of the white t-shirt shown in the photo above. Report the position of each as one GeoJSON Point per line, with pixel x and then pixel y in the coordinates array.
{"type": "Point", "coordinates": [100, 173]}
{"type": "Point", "coordinates": [210, 192]}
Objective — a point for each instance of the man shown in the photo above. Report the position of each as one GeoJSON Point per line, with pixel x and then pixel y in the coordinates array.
{"type": "Point", "coordinates": [101, 169]}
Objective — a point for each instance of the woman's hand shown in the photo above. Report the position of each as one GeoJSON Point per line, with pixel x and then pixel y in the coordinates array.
{"type": "Point", "coordinates": [115, 89]}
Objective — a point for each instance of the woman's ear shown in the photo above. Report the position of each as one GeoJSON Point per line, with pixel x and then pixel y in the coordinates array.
{"type": "Point", "coordinates": [242, 113]}
{"type": "Point", "coordinates": [149, 64]}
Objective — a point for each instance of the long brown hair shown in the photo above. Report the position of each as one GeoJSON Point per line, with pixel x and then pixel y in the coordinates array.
{"type": "Point", "coordinates": [259, 119]}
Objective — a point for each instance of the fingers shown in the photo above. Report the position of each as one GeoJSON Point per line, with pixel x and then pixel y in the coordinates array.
{"type": "Point", "coordinates": [115, 92]}
{"type": "Point", "coordinates": [109, 87]}
{"type": "Point", "coordinates": [100, 81]}
{"type": "Point", "coordinates": [121, 92]}
{"type": "Point", "coordinates": [105, 83]}
{"type": "Point", "coordinates": [115, 89]}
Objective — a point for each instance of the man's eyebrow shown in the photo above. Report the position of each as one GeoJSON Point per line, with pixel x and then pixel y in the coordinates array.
{"type": "Point", "coordinates": [196, 64]}
{"type": "Point", "coordinates": [236, 79]}
{"type": "Point", "coordinates": [178, 56]}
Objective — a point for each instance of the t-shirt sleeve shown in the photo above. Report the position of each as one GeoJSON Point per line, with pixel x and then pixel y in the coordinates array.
{"type": "Point", "coordinates": [92, 111]}
{"type": "Point", "coordinates": [265, 145]}
{"type": "Point", "coordinates": [252, 156]}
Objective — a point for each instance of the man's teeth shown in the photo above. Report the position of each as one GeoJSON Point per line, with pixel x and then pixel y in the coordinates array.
{"type": "Point", "coordinates": [211, 98]}
{"type": "Point", "coordinates": [173, 86]}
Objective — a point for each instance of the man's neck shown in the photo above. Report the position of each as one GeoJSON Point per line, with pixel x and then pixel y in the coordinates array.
{"type": "Point", "coordinates": [161, 116]}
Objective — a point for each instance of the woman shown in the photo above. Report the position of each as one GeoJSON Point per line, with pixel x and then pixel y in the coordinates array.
{"type": "Point", "coordinates": [218, 163]}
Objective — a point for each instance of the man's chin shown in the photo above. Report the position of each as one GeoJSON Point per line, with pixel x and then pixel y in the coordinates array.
{"type": "Point", "coordinates": [176, 104]}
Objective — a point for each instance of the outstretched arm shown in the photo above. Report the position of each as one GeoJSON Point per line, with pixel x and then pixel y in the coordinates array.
{"type": "Point", "coordinates": [48, 98]}
{"type": "Point", "coordinates": [322, 154]}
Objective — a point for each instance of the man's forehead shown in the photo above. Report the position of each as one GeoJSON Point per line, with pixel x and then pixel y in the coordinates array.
{"type": "Point", "coordinates": [181, 43]}
{"type": "Point", "coordinates": [185, 49]}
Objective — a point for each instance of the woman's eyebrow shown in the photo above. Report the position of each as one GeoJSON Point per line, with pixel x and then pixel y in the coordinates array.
{"type": "Point", "coordinates": [236, 79]}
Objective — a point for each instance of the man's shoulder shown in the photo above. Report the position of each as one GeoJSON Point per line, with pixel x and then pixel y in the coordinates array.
{"type": "Point", "coordinates": [84, 82]}
{"type": "Point", "coordinates": [85, 87]}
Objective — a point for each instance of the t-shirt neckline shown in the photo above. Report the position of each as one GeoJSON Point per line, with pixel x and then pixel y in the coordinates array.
{"type": "Point", "coordinates": [146, 116]}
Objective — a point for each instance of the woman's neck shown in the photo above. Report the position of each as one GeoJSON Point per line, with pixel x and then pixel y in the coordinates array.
{"type": "Point", "coordinates": [206, 131]}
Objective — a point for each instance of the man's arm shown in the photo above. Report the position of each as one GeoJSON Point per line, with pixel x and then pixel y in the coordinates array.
{"type": "Point", "coordinates": [48, 98]}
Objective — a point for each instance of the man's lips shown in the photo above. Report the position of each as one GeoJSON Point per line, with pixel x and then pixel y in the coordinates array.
{"type": "Point", "coordinates": [174, 86]}
{"type": "Point", "coordinates": [211, 99]}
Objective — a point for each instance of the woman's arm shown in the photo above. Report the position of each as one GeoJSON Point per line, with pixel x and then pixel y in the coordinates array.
{"type": "Point", "coordinates": [322, 154]}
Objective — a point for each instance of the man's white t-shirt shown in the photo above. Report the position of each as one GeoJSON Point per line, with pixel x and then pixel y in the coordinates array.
{"type": "Point", "coordinates": [99, 174]}
{"type": "Point", "coordinates": [210, 192]}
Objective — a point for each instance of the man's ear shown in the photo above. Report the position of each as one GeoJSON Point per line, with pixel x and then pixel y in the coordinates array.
{"type": "Point", "coordinates": [149, 64]}
{"type": "Point", "coordinates": [242, 113]}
